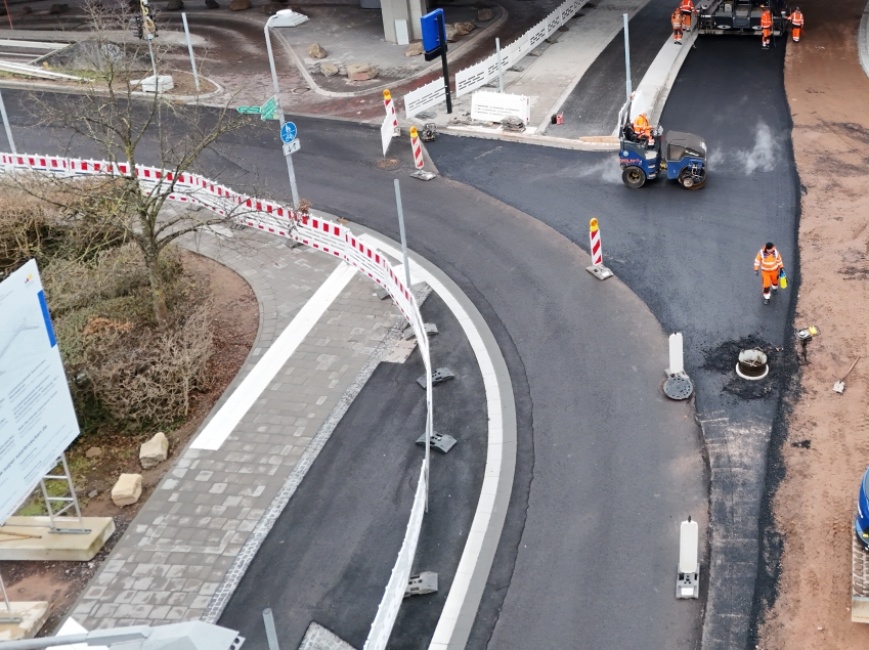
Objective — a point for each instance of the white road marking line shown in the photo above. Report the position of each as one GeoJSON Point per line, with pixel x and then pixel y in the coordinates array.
{"type": "Point", "coordinates": [234, 409]}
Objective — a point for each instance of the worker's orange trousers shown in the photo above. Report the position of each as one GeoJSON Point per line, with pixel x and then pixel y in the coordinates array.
{"type": "Point", "coordinates": [770, 279]}
{"type": "Point", "coordinates": [795, 33]}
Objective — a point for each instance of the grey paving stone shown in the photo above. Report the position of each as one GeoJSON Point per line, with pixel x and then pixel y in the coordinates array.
{"type": "Point", "coordinates": [191, 542]}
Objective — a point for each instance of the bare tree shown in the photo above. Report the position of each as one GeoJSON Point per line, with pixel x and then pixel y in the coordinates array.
{"type": "Point", "coordinates": [112, 120]}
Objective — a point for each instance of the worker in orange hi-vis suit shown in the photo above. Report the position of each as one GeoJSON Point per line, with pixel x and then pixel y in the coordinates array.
{"type": "Point", "coordinates": [642, 128]}
{"type": "Point", "coordinates": [797, 22]}
{"type": "Point", "coordinates": [765, 27]}
{"type": "Point", "coordinates": [770, 265]}
{"type": "Point", "coordinates": [676, 23]}
{"type": "Point", "coordinates": [686, 8]}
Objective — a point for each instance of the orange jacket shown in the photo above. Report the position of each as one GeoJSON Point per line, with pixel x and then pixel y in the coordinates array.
{"type": "Point", "coordinates": [687, 6]}
{"type": "Point", "coordinates": [796, 18]}
{"type": "Point", "coordinates": [768, 260]}
{"type": "Point", "coordinates": [676, 19]}
{"type": "Point", "coordinates": [766, 19]}
{"type": "Point", "coordinates": [641, 126]}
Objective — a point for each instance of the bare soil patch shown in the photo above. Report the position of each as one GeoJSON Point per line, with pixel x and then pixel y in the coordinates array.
{"type": "Point", "coordinates": [827, 449]}
{"type": "Point", "coordinates": [235, 323]}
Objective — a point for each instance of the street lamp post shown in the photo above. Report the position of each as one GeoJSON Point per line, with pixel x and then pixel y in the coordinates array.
{"type": "Point", "coordinates": [290, 171]}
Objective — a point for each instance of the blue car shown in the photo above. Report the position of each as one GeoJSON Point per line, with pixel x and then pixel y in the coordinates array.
{"type": "Point", "coordinates": [681, 156]}
{"type": "Point", "coordinates": [861, 524]}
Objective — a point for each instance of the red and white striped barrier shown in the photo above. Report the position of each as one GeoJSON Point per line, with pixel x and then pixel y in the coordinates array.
{"type": "Point", "coordinates": [597, 268]}
{"type": "Point", "coordinates": [416, 147]}
{"type": "Point", "coordinates": [389, 105]}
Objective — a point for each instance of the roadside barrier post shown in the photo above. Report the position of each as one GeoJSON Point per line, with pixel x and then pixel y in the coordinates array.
{"type": "Point", "coordinates": [597, 269]}
{"type": "Point", "coordinates": [389, 105]}
{"type": "Point", "coordinates": [418, 161]}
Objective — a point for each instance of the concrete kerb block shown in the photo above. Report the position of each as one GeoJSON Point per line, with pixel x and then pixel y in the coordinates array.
{"type": "Point", "coordinates": [24, 621]}
{"type": "Point", "coordinates": [426, 582]}
{"type": "Point", "coordinates": [33, 539]}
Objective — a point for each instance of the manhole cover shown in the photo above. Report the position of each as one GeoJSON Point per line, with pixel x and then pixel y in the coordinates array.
{"type": "Point", "coordinates": [388, 163]}
{"type": "Point", "coordinates": [677, 387]}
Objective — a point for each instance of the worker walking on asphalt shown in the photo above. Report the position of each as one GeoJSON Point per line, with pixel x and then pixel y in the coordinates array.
{"type": "Point", "coordinates": [676, 23]}
{"type": "Point", "coordinates": [797, 21]}
{"type": "Point", "coordinates": [770, 265]}
{"type": "Point", "coordinates": [765, 27]}
{"type": "Point", "coordinates": [686, 8]}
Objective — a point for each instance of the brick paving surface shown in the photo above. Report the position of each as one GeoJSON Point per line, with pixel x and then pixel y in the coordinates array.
{"type": "Point", "coordinates": [187, 548]}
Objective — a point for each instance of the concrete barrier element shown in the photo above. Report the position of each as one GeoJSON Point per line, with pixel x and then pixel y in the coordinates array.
{"type": "Point", "coordinates": [33, 614]}
{"type": "Point", "coordinates": [31, 538]}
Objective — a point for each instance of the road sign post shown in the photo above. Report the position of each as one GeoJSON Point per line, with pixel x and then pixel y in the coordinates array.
{"type": "Point", "coordinates": [288, 132]}
{"type": "Point", "coordinates": [288, 156]}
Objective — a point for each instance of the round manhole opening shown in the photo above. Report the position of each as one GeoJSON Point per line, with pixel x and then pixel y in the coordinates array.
{"type": "Point", "coordinates": [388, 163]}
{"type": "Point", "coordinates": [752, 365]}
{"type": "Point", "coordinates": [678, 387]}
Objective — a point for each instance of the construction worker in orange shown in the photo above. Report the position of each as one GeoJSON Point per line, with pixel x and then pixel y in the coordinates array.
{"type": "Point", "coordinates": [642, 128]}
{"type": "Point", "coordinates": [686, 8]}
{"type": "Point", "coordinates": [769, 265]}
{"type": "Point", "coordinates": [676, 23]}
{"type": "Point", "coordinates": [765, 27]}
{"type": "Point", "coordinates": [797, 22]}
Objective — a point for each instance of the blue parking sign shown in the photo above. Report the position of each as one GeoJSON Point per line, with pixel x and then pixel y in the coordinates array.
{"type": "Point", "coordinates": [433, 30]}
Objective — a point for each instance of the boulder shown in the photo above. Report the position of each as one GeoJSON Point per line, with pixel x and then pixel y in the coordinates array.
{"type": "Point", "coordinates": [465, 28]}
{"type": "Point", "coordinates": [316, 51]}
{"type": "Point", "coordinates": [414, 49]}
{"type": "Point", "coordinates": [58, 9]}
{"type": "Point", "coordinates": [485, 14]}
{"type": "Point", "coordinates": [211, 4]}
{"type": "Point", "coordinates": [175, 5]}
{"type": "Point", "coordinates": [361, 71]}
{"type": "Point", "coordinates": [154, 451]}
{"type": "Point", "coordinates": [329, 69]}
{"type": "Point", "coordinates": [239, 5]}
{"type": "Point", "coordinates": [93, 452]}
{"type": "Point", "coordinates": [127, 490]}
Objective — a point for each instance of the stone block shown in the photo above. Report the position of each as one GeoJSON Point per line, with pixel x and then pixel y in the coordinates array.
{"type": "Point", "coordinates": [127, 490]}
{"type": "Point", "coordinates": [361, 71]}
{"type": "Point", "coordinates": [154, 451]}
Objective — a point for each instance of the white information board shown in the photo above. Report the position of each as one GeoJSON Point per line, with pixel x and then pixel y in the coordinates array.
{"type": "Point", "coordinates": [493, 107]}
{"type": "Point", "coordinates": [37, 419]}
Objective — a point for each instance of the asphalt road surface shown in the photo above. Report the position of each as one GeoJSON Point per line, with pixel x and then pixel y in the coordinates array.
{"type": "Point", "coordinates": [688, 256]}
{"type": "Point", "coordinates": [606, 466]}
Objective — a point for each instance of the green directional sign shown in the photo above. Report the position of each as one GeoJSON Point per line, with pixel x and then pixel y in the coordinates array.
{"type": "Point", "coordinates": [267, 110]}
{"type": "Point", "coordinates": [248, 110]}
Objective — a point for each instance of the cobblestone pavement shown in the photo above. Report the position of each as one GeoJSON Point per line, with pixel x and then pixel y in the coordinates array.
{"type": "Point", "coordinates": [184, 553]}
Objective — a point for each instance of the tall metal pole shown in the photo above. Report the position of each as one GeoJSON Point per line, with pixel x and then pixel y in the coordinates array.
{"type": "Point", "coordinates": [6, 125]}
{"type": "Point", "coordinates": [627, 60]}
{"type": "Point", "coordinates": [290, 171]}
{"type": "Point", "coordinates": [444, 66]}
{"type": "Point", "coordinates": [403, 236]}
{"type": "Point", "coordinates": [150, 38]}
{"type": "Point", "coordinates": [190, 50]}
{"type": "Point", "coordinates": [500, 73]}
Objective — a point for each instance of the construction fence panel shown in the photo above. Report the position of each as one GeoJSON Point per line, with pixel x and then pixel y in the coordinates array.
{"type": "Point", "coordinates": [381, 628]}
{"type": "Point", "coordinates": [431, 94]}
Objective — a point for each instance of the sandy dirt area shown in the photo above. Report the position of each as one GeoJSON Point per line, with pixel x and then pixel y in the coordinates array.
{"type": "Point", "coordinates": [827, 450]}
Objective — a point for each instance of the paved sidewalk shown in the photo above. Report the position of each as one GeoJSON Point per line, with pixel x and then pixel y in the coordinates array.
{"type": "Point", "coordinates": [187, 548]}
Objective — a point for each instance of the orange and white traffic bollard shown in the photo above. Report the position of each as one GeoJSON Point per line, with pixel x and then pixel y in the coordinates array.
{"type": "Point", "coordinates": [415, 145]}
{"type": "Point", "coordinates": [597, 269]}
{"type": "Point", "coordinates": [389, 105]}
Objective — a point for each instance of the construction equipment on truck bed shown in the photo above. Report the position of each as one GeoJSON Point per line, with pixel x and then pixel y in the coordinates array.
{"type": "Point", "coordinates": [739, 16]}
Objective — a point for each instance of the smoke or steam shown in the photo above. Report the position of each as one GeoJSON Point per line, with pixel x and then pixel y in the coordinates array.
{"type": "Point", "coordinates": [762, 157]}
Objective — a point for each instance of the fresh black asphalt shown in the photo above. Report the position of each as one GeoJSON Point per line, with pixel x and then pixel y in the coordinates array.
{"type": "Point", "coordinates": [688, 256]}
